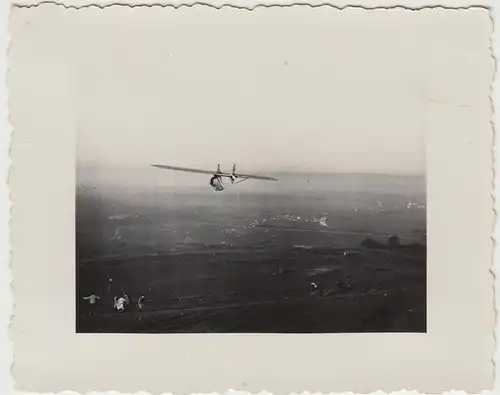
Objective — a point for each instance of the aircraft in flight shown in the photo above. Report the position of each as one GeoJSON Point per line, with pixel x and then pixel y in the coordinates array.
{"type": "Point", "coordinates": [218, 175]}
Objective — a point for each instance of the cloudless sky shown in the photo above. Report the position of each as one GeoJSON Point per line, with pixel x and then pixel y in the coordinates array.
{"type": "Point", "coordinates": [315, 91]}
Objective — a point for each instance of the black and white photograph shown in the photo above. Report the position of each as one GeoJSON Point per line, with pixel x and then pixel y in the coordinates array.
{"type": "Point", "coordinates": [280, 199]}
{"type": "Point", "coordinates": [250, 184]}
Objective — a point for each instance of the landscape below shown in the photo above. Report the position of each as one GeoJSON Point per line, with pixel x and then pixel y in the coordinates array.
{"type": "Point", "coordinates": [346, 257]}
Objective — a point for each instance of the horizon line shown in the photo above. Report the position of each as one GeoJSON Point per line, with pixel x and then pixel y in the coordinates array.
{"type": "Point", "coordinates": [269, 171]}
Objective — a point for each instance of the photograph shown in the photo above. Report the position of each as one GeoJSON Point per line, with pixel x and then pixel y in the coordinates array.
{"type": "Point", "coordinates": [234, 178]}
{"type": "Point", "coordinates": [278, 199]}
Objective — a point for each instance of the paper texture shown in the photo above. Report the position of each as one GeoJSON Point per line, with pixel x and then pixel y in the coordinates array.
{"type": "Point", "coordinates": [49, 105]}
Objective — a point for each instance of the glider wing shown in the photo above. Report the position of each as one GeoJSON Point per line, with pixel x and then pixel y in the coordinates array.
{"type": "Point", "coordinates": [186, 169]}
{"type": "Point", "coordinates": [256, 177]}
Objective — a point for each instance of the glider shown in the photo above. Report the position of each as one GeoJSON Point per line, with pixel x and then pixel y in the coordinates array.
{"type": "Point", "coordinates": [218, 175]}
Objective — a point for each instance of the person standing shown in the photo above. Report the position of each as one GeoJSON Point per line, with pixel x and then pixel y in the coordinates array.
{"type": "Point", "coordinates": [92, 298]}
{"type": "Point", "coordinates": [140, 302]}
{"type": "Point", "coordinates": [313, 288]}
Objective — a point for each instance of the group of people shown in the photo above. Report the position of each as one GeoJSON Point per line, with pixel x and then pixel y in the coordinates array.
{"type": "Point", "coordinates": [342, 285]}
{"type": "Point", "coordinates": [120, 303]}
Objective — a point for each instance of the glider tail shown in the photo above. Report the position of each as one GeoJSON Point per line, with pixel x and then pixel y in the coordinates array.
{"type": "Point", "coordinates": [233, 174]}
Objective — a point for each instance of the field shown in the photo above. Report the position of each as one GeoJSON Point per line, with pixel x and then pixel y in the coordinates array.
{"type": "Point", "coordinates": [285, 260]}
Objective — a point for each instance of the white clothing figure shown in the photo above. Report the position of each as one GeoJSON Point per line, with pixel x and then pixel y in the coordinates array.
{"type": "Point", "coordinates": [313, 288]}
{"type": "Point", "coordinates": [92, 298]}
{"type": "Point", "coordinates": [120, 303]}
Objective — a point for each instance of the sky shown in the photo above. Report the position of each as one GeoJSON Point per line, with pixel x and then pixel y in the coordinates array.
{"type": "Point", "coordinates": [319, 91]}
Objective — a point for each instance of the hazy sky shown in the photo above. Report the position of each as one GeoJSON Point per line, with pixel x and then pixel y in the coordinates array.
{"type": "Point", "coordinates": [317, 91]}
